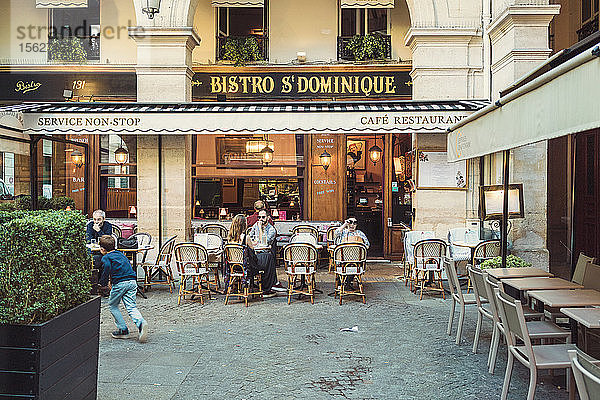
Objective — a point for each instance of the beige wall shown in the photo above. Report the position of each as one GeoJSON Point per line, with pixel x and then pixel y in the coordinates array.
{"type": "Point", "coordinates": [116, 47]}
{"type": "Point", "coordinates": [16, 16]}
{"type": "Point", "coordinates": [400, 19]}
{"type": "Point", "coordinates": [204, 24]}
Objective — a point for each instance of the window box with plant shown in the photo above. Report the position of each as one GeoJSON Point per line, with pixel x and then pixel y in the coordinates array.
{"type": "Point", "coordinates": [365, 47]}
{"type": "Point", "coordinates": [49, 323]}
{"type": "Point", "coordinates": [241, 50]}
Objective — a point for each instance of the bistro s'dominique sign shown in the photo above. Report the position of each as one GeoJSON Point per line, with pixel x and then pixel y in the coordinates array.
{"type": "Point", "coordinates": [292, 85]}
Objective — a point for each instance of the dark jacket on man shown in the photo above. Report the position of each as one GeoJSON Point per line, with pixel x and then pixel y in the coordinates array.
{"type": "Point", "coordinates": [90, 233]}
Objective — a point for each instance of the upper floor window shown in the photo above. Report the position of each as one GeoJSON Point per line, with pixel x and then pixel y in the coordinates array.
{"type": "Point", "coordinates": [74, 33]}
{"type": "Point", "coordinates": [589, 18]}
{"type": "Point", "coordinates": [362, 18]}
{"type": "Point", "coordinates": [241, 30]}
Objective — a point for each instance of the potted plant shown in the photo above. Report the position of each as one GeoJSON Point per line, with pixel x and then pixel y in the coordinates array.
{"type": "Point", "coordinates": [49, 324]}
{"type": "Point", "coordinates": [242, 50]}
{"type": "Point", "coordinates": [367, 47]}
{"type": "Point", "coordinates": [69, 49]}
{"type": "Point", "coordinates": [511, 262]}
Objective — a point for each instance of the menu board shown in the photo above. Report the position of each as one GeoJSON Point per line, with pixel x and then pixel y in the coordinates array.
{"type": "Point", "coordinates": [435, 172]}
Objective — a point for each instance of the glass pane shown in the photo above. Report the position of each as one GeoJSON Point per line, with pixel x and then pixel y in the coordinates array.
{"type": "Point", "coordinates": [245, 21]}
{"type": "Point", "coordinates": [361, 21]}
{"type": "Point", "coordinates": [223, 21]}
{"type": "Point", "coordinates": [586, 10]}
{"type": "Point", "coordinates": [377, 20]}
{"type": "Point", "coordinates": [348, 22]}
{"type": "Point", "coordinates": [14, 172]}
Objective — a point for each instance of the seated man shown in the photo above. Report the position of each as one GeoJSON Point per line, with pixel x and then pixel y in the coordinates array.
{"type": "Point", "coordinates": [348, 233]}
{"type": "Point", "coordinates": [259, 205]}
{"type": "Point", "coordinates": [263, 236]}
{"type": "Point", "coordinates": [95, 229]}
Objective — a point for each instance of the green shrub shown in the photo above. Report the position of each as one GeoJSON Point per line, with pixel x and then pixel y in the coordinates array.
{"type": "Point", "coordinates": [242, 50]}
{"type": "Point", "coordinates": [511, 262]}
{"type": "Point", "coordinates": [61, 203]}
{"type": "Point", "coordinates": [367, 47]}
{"type": "Point", "coordinates": [67, 50]}
{"type": "Point", "coordinates": [44, 203]}
{"type": "Point", "coordinates": [9, 206]}
{"type": "Point", "coordinates": [44, 265]}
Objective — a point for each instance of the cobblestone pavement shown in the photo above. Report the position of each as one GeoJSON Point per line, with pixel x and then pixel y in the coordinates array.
{"type": "Point", "coordinates": [274, 350]}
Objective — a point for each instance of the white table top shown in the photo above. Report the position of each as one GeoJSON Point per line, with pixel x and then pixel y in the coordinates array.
{"type": "Point", "coordinates": [540, 283]}
{"type": "Point", "coordinates": [523, 272]}
{"type": "Point", "coordinates": [588, 317]}
{"type": "Point", "coordinates": [567, 298]}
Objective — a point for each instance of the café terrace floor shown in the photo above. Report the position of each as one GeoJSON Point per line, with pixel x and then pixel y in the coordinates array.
{"type": "Point", "coordinates": [273, 350]}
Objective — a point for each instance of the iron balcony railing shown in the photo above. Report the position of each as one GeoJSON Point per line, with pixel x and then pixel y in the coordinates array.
{"type": "Point", "coordinates": [221, 40]}
{"type": "Point", "coordinates": [344, 54]}
{"type": "Point", "coordinates": [587, 29]}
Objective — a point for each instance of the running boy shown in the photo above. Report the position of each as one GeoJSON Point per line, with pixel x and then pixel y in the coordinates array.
{"type": "Point", "coordinates": [124, 287]}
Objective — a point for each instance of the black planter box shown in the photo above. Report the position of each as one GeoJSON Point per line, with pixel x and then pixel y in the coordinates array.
{"type": "Point", "coordinates": [54, 360]}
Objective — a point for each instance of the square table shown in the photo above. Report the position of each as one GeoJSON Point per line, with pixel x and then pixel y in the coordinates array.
{"type": "Point", "coordinates": [521, 272]}
{"type": "Point", "coordinates": [517, 287]}
{"type": "Point", "coordinates": [588, 317]}
{"type": "Point", "coordinates": [586, 323]}
{"type": "Point", "coordinates": [566, 298]}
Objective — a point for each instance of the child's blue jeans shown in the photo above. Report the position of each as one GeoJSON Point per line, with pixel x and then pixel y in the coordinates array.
{"type": "Point", "coordinates": [125, 291]}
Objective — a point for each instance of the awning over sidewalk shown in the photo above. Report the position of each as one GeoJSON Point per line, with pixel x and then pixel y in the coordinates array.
{"type": "Point", "coordinates": [367, 4]}
{"type": "Point", "coordinates": [61, 3]}
{"type": "Point", "coordinates": [244, 118]}
{"type": "Point", "coordinates": [561, 102]}
{"type": "Point", "coordinates": [238, 3]}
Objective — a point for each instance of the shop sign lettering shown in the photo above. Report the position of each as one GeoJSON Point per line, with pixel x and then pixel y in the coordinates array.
{"type": "Point", "coordinates": [387, 120]}
{"type": "Point", "coordinates": [24, 87]}
{"type": "Point", "coordinates": [88, 121]}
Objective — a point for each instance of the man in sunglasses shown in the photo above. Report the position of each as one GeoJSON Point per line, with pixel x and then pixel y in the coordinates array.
{"type": "Point", "coordinates": [263, 234]}
{"type": "Point", "coordinates": [259, 205]}
{"type": "Point", "coordinates": [348, 233]}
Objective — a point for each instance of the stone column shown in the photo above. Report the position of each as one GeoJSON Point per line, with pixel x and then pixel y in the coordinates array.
{"type": "Point", "coordinates": [519, 37]}
{"type": "Point", "coordinates": [164, 74]}
{"type": "Point", "coordinates": [447, 64]}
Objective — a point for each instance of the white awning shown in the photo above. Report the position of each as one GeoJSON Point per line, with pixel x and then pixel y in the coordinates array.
{"type": "Point", "coordinates": [367, 4]}
{"type": "Point", "coordinates": [61, 3]}
{"type": "Point", "coordinates": [561, 102]}
{"type": "Point", "coordinates": [238, 3]}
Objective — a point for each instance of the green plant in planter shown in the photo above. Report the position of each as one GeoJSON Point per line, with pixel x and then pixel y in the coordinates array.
{"type": "Point", "coordinates": [242, 50]}
{"type": "Point", "coordinates": [44, 203]}
{"type": "Point", "coordinates": [367, 47]}
{"type": "Point", "coordinates": [511, 262]}
{"type": "Point", "coordinates": [44, 265]}
{"type": "Point", "coordinates": [67, 50]}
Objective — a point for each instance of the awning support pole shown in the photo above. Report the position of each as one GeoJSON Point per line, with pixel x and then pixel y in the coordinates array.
{"type": "Point", "coordinates": [505, 179]}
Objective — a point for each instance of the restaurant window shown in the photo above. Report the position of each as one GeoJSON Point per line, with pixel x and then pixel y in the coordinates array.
{"type": "Point", "coordinates": [590, 11]}
{"type": "Point", "coordinates": [230, 174]}
{"type": "Point", "coordinates": [80, 23]}
{"type": "Point", "coordinates": [118, 182]}
{"type": "Point", "coordinates": [14, 171]}
{"type": "Point", "coordinates": [240, 24]}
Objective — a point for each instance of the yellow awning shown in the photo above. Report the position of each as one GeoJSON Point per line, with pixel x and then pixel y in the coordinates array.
{"type": "Point", "coordinates": [561, 102]}
{"type": "Point", "coordinates": [367, 3]}
{"type": "Point", "coordinates": [238, 3]}
{"type": "Point", "coordinates": [61, 3]}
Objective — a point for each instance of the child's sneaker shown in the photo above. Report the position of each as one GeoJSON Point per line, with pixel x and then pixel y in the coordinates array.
{"type": "Point", "coordinates": [120, 334]}
{"type": "Point", "coordinates": [143, 332]}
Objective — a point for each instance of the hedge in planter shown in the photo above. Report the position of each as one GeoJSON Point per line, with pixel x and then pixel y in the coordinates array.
{"type": "Point", "coordinates": [49, 326]}
{"type": "Point", "coordinates": [44, 265]}
{"type": "Point", "coordinates": [511, 262]}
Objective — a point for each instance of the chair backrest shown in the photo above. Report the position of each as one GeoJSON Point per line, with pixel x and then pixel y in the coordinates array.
{"type": "Point", "coordinates": [300, 253]}
{"type": "Point", "coordinates": [216, 229]}
{"type": "Point", "coordinates": [453, 282]}
{"type": "Point", "coordinates": [478, 282]}
{"type": "Point", "coordinates": [591, 276]}
{"type": "Point", "coordinates": [331, 234]}
{"type": "Point", "coordinates": [234, 255]}
{"type": "Point", "coordinates": [490, 288]}
{"type": "Point", "coordinates": [513, 320]}
{"type": "Point", "coordinates": [214, 242]}
{"type": "Point", "coordinates": [412, 237]}
{"type": "Point", "coordinates": [116, 230]}
{"type": "Point", "coordinates": [190, 258]}
{"type": "Point", "coordinates": [430, 254]}
{"type": "Point", "coordinates": [166, 251]}
{"type": "Point", "coordinates": [306, 229]}
{"type": "Point", "coordinates": [486, 250]}
{"type": "Point", "coordinates": [582, 261]}
{"type": "Point", "coordinates": [143, 239]}
{"type": "Point", "coordinates": [303, 237]}
{"type": "Point", "coordinates": [587, 375]}
{"type": "Point", "coordinates": [350, 253]}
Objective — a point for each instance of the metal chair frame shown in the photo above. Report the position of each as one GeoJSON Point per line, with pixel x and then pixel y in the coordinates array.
{"type": "Point", "coordinates": [463, 299]}
{"type": "Point", "coordinates": [192, 264]}
{"type": "Point", "coordinates": [116, 230]}
{"type": "Point", "coordinates": [350, 260]}
{"type": "Point", "coordinates": [303, 265]}
{"type": "Point", "coordinates": [429, 252]}
{"type": "Point", "coordinates": [306, 229]}
{"type": "Point", "coordinates": [143, 239]}
{"type": "Point", "coordinates": [331, 246]}
{"type": "Point", "coordinates": [234, 254]}
{"type": "Point", "coordinates": [586, 373]}
{"type": "Point", "coordinates": [215, 242]}
{"type": "Point", "coordinates": [216, 229]}
{"type": "Point", "coordinates": [162, 265]}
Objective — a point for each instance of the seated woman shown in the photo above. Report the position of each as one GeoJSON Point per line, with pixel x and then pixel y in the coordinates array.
{"type": "Point", "coordinates": [264, 259]}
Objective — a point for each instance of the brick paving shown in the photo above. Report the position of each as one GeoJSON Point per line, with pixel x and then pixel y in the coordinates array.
{"type": "Point", "coordinates": [274, 350]}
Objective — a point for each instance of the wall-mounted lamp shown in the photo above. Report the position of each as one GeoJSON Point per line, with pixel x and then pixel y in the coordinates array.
{"type": "Point", "coordinates": [267, 154]}
{"type": "Point", "coordinates": [121, 155]}
{"type": "Point", "coordinates": [77, 158]}
{"type": "Point", "coordinates": [325, 158]}
{"type": "Point", "coordinates": [151, 7]}
{"type": "Point", "coordinates": [375, 153]}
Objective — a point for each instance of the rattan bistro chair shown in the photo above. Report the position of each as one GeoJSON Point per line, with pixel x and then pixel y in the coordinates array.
{"type": "Point", "coordinates": [486, 250]}
{"type": "Point", "coordinates": [214, 247]}
{"type": "Point", "coordinates": [410, 239]}
{"type": "Point", "coordinates": [331, 246]}
{"type": "Point", "coordinates": [191, 260]}
{"type": "Point", "coordinates": [143, 240]}
{"type": "Point", "coordinates": [350, 260]}
{"type": "Point", "coordinates": [116, 230]}
{"type": "Point", "coordinates": [586, 371]}
{"type": "Point", "coordinates": [159, 272]}
{"type": "Point", "coordinates": [534, 357]}
{"type": "Point", "coordinates": [300, 260]}
{"type": "Point", "coordinates": [306, 229]}
{"type": "Point", "coordinates": [215, 229]}
{"type": "Point", "coordinates": [429, 256]}
{"type": "Point", "coordinates": [237, 286]}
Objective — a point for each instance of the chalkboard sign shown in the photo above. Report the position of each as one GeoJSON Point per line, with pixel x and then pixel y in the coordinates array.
{"type": "Point", "coordinates": [435, 172]}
